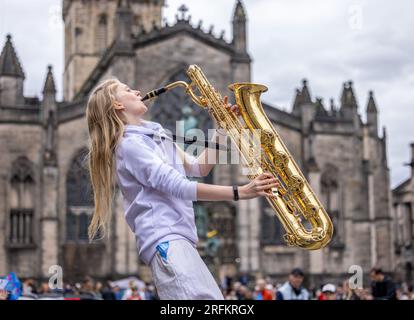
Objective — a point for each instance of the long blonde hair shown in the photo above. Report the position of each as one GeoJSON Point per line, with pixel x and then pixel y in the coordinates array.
{"type": "Point", "coordinates": [105, 130]}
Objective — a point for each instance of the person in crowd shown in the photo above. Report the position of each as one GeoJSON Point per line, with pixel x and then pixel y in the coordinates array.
{"type": "Point", "coordinates": [293, 289]}
{"type": "Point", "coordinates": [29, 287]}
{"type": "Point", "coordinates": [262, 292]}
{"type": "Point", "coordinates": [348, 292]}
{"type": "Point", "coordinates": [44, 289]}
{"type": "Point", "coordinates": [382, 286]}
{"type": "Point", "coordinates": [329, 292]}
{"type": "Point", "coordinates": [340, 291]}
{"type": "Point", "coordinates": [128, 292]}
{"type": "Point", "coordinates": [149, 292]}
{"type": "Point", "coordinates": [118, 293]}
{"type": "Point", "coordinates": [87, 287]}
{"type": "Point", "coordinates": [98, 289]}
{"type": "Point", "coordinates": [134, 294]}
{"type": "Point", "coordinates": [3, 295]}
{"type": "Point", "coordinates": [107, 292]}
{"type": "Point", "coordinates": [230, 294]}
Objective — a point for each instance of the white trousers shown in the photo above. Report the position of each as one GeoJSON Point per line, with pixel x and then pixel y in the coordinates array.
{"type": "Point", "coordinates": [182, 275]}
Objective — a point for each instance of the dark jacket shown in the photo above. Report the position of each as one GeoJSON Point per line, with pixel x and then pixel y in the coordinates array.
{"type": "Point", "coordinates": [384, 290]}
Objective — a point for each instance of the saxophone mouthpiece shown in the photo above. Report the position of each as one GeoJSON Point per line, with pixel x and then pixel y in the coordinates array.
{"type": "Point", "coordinates": [154, 93]}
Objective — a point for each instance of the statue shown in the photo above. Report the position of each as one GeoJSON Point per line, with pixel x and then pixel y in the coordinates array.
{"type": "Point", "coordinates": [200, 213]}
{"type": "Point", "coordinates": [190, 121]}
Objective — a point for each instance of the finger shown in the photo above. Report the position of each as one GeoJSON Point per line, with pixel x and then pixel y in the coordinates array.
{"type": "Point", "coordinates": [269, 195]}
{"type": "Point", "coordinates": [235, 108]}
{"type": "Point", "coordinates": [265, 175]}
{"type": "Point", "coordinates": [268, 184]}
{"type": "Point", "coordinates": [267, 181]}
{"type": "Point", "coordinates": [266, 187]}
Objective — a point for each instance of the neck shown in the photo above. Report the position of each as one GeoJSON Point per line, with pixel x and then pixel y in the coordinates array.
{"type": "Point", "coordinates": [134, 121]}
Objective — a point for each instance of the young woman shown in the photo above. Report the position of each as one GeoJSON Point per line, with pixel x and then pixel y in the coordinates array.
{"type": "Point", "coordinates": [158, 198]}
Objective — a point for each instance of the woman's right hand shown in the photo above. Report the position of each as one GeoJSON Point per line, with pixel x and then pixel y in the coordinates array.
{"type": "Point", "coordinates": [257, 187]}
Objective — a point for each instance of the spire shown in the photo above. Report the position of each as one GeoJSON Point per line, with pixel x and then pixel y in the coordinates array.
{"type": "Point", "coordinates": [298, 99]}
{"type": "Point", "coordinates": [411, 164]}
{"type": "Point", "coordinates": [239, 12]}
{"type": "Point", "coordinates": [302, 97]}
{"type": "Point", "coordinates": [348, 96]}
{"type": "Point", "coordinates": [49, 87]}
{"type": "Point", "coordinates": [306, 97]}
{"type": "Point", "coordinates": [372, 115]}
{"type": "Point", "coordinates": [349, 105]}
{"type": "Point", "coordinates": [240, 29]}
{"type": "Point", "coordinates": [320, 109]}
{"type": "Point", "coordinates": [9, 62]}
{"type": "Point", "coordinates": [372, 106]}
{"type": "Point", "coordinates": [332, 107]}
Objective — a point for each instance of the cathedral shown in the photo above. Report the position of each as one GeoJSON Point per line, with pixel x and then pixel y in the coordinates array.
{"type": "Point", "coordinates": [45, 193]}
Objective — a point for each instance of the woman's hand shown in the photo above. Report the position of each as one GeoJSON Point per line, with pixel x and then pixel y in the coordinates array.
{"type": "Point", "coordinates": [233, 108]}
{"type": "Point", "coordinates": [259, 187]}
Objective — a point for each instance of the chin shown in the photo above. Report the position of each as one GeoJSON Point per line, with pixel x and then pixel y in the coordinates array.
{"type": "Point", "coordinates": [142, 113]}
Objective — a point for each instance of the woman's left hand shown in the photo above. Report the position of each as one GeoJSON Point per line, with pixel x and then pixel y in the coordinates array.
{"type": "Point", "coordinates": [233, 108]}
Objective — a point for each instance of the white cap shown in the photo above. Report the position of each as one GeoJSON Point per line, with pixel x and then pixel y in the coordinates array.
{"type": "Point", "coordinates": [329, 288]}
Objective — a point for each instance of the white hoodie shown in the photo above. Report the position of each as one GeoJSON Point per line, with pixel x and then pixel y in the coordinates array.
{"type": "Point", "coordinates": [158, 198]}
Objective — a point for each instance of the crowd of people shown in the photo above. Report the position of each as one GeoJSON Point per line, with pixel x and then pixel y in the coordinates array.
{"type": "Point", "coordinates": [88, 289]}
{"type": "Point", "coordinates": [381, 287]}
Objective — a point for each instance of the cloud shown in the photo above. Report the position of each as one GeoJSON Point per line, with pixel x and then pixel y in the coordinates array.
{"type": "Point", "coordinates": [328, 42]}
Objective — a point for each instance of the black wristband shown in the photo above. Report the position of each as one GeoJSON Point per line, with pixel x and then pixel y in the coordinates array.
{"type": "Point", "coordinates": [235, 193]}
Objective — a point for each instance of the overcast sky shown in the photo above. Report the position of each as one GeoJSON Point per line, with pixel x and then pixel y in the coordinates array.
{"type": "Point", "coordinates": [328, 42]}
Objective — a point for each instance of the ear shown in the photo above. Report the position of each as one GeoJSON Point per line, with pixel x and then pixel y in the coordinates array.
{"type": "Point", "coordinates": [118, 106]}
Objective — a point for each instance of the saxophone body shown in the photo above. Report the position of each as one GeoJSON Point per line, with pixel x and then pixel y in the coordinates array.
{"type": "Point", "coordinates": [301, 214]}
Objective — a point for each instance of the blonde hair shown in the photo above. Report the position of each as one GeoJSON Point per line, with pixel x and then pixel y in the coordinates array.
{"type": "Point", "coordinates": [105, 130]}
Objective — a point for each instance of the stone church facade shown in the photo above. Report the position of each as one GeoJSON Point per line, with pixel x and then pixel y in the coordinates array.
{"type": "Point", "coordinates": [45, 202]}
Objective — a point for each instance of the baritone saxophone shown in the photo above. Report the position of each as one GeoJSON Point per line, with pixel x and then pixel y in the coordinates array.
{"type": "Point", "coordinates": [300, 212]}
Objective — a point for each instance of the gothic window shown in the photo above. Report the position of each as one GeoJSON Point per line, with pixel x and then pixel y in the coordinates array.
{"type": "Point", "coordinates": [21, 203]}
{"type": "Point", "coordinates": [102, 33]}
{"type": "Point", "coordinates": [330, 193]}
{"type": "Point", "coordinates": [78, 33]}
{"type": "Point", "coordinates": [79, 199]}
{"type": "Point", "coordinates": [272, 230]}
